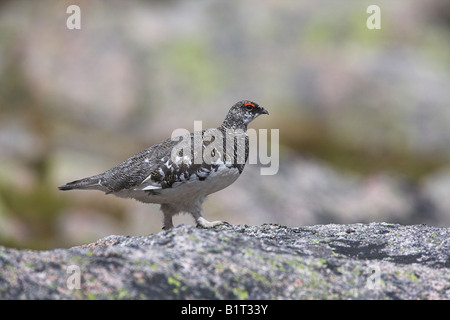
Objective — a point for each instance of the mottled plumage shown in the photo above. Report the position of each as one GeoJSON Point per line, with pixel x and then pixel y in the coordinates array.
{"type": "Point", "coordinates": [180, 172]}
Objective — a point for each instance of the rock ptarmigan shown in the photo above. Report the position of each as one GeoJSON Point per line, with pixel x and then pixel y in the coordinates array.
{"type": "Point", "coordinates": [179, 173]}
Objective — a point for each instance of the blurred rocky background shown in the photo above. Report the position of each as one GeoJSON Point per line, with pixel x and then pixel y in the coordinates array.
{"type": "Point", "coordinates": [363, 115]}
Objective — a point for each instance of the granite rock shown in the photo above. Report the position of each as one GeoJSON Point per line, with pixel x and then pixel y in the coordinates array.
{"type": "Point", "coordinates": [356, 261]}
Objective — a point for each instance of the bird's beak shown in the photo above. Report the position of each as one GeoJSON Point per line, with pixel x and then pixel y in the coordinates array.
{"type": "Point", "coordinates": [264, 111]}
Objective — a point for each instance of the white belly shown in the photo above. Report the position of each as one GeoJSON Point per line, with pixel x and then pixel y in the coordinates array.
{"type": "Point", "coordinates": [186, 191]}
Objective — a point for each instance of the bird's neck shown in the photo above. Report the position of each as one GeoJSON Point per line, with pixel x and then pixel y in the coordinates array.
{"type": "Point", "coordinates": [233, 124]}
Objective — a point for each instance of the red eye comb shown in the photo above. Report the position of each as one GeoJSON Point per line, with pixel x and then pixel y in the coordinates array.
{"type": "Point", "coordinates": [248, 104]}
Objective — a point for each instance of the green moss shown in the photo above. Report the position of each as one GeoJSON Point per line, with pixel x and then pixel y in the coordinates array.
{"type": "Point", "coordinates": [29, 265]}
{"type": "Point", "coordinates": [220, 266]}
{"type": "Point", "coordinates": [145, 263]}
{"type": "Point", "coordinates": [193, 238]}
{"type": "Point", "coordinates": [322, 262]}
{"type": "Point", "coordinates": [240, 293]}
{"type": "Point", "coordinates": [296, 263]}
{"type": "Point", "coordinates": [91, 296]}
{"type": "Point", "coordinates": [123, 294]}
{"type": "Point", "coordinates": [173, 281]}
{"type": "Point", "coordinates": [411, 275]}
{"type": "Point", "coordinates": [226, 239]}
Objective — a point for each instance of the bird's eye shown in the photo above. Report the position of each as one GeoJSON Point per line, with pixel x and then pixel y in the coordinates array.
{"type": "Point", "coordinates": [249, 106]}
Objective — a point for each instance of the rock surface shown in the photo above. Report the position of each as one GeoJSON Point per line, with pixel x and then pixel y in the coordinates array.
{"type": "Point", "coordinates": [357, 261]}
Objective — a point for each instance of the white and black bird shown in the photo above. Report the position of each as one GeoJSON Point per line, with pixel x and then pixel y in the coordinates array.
{"type": "Point", "coordinates": [179, 173]}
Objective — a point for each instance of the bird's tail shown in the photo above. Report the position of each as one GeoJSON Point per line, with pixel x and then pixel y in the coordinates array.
{"type": "Point", "coordinates": [90, 183]}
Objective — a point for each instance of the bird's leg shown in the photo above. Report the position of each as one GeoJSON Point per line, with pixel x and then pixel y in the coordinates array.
{"type": "Point", "coordinates": [196, 211]}
{"type": "Point", "coordinates": [168, 212]}
{"type": "Point", "coordinates": [203, 223]}
{"type": "Point", "coordinates": [167, 224]}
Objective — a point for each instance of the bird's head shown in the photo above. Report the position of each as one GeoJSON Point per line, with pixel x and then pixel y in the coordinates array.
{"type": "Point", "coordinates": [242, 113]}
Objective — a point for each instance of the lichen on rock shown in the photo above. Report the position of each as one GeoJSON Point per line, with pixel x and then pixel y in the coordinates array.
{"type": "Point", "coordinates": [357, 261]}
